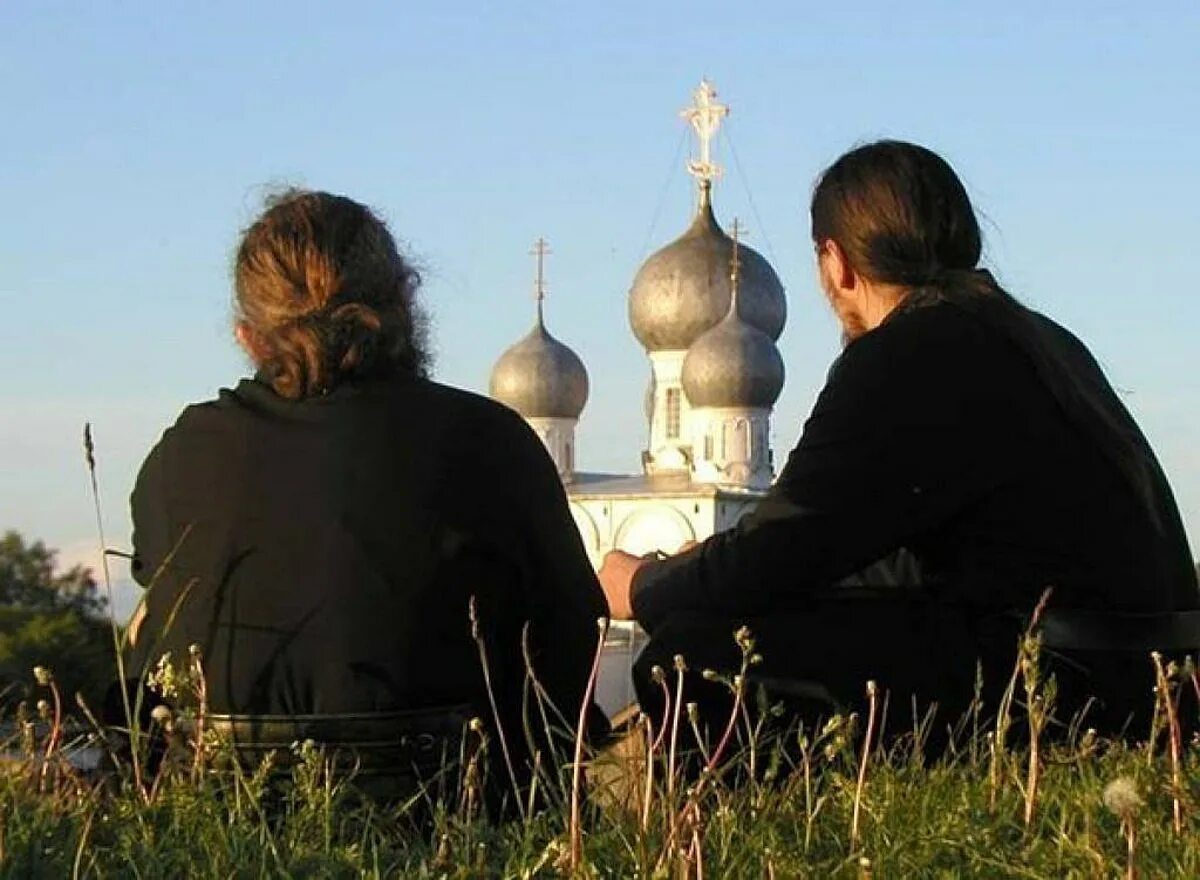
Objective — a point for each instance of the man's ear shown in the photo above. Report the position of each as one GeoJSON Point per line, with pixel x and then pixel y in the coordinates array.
{"type": "Point", "coordinates": [840, 271]}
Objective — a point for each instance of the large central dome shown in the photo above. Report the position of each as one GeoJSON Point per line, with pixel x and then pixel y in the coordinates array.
{"type": "Point", "coordinates": [683, 290]}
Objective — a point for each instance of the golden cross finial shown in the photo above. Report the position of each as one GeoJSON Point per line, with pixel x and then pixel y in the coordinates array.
{"type": "Point", "coordinates": [705, 115]}
{"type": "Point", "coordinates": [540, 249]}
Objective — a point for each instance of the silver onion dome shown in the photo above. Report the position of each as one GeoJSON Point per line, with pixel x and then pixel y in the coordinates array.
{"type": "Point", "coordinates": [683, 289]}
{"type": "Point", "coordinates": [540, 377]}
{"type": "Point", "coordinates": [734, 364]}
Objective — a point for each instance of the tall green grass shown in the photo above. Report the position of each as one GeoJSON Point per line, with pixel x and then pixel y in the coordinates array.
{"type": "Point", "coordinates": [832, 802]}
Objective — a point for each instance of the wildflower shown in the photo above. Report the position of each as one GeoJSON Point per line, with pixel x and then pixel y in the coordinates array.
{"type": "Point", "coordinates": [43, 709]}
{"type": "Point", "coordinates": [160, 714]}
{"type": "Point", "coordinates": [709, 675]}
{"type": "Point", "coordinates": [43, 676]}
{"type": "Point", "coordinates": [1121, 796]}
{"type": "Point", "coordinates": [657, 675]}
{"type": "Point", "coordinates": [476, 725]}
{"type": "Point", "coordinates": [680, 663]}
{"type": "Point", "coordinates": [744, 639]}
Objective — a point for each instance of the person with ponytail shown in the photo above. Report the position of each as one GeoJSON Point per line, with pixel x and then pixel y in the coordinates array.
{"type": "Point", "coordinates": [319, 533]}
{"type": "Point", "coordinates": [964, 434]}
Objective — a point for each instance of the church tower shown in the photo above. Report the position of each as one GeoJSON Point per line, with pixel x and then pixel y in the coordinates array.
{"type": "Point", "coordinates": [732, 376]}
{"type": "Point", "coordinates": [544, 381]}
{"type": "Point", "coordinates": [682, 292]}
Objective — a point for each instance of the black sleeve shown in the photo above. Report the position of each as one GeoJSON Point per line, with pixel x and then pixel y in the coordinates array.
{"type": "Point", "coordinates": [564, 597]}
{"type": "Point", "coordinates": [148, 510]}
{"type": "Point", "coordinates": [897, 441]}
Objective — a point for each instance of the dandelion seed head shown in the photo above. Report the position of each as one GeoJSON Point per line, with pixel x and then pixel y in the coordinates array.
{"type": "Point", "coordinates": [1121, 796]}
{"type": "Point", "coordinates": [43, 676]}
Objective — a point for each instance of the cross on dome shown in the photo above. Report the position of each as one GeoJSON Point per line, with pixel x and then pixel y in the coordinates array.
{"type": "Point", "coordinates": [540, 250]}
{"type": "Point", "coordinates": [705, 115]}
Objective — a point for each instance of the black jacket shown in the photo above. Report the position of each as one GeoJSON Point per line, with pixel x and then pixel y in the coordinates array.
{"type": "Point", "coordinates": [322, 553]}
{"type": "Point", "coordinates": [936, 432]}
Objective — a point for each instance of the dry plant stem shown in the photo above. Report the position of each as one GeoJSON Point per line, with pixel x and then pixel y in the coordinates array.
{"type": "Point", "coordinates": [55, 733]}
{"type": "Point", "coordinates": [648, 794]}
{"type": "Point", "coordinates": [542, 694]}
{"type": "Point", "coordinates": [77, 865]}
{"type": "Point", "coordinates": [577, 763]}
{"type": "Point", "coordinates": [1033, 776]}
{"type": "Point", "coordinates": [667, 706]}
{"type": "Point", "coordinates": [1004, 711]}
{"type": "Point", "coordinates": [860, 785]}
{"type": "Point", "coordinates": [1130, 848]}
{"type": "Point", "coordinates": [680, 668]}
{"type": "Point", "coordinates": [1163, 693]}
{"type": "Point", "coordinates": [89, 452]}
{"type": "Point", "coordinates": [201, 713]}
{"type": "Point", "coordinates": [473, 614]}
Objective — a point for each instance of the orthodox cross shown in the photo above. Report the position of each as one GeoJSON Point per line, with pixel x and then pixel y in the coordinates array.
{"type": "Point", "coordinates": [735, 264]}
{"type": "Point", "coordinates": [540, 249]}
{"type": "Point", "coordinates": [705, 115]}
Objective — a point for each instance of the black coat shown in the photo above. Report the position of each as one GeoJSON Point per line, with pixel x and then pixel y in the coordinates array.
{"type": "Point", "coordinates": [937, 433]}
{"type": "Point", "coordinates": [322, 553]}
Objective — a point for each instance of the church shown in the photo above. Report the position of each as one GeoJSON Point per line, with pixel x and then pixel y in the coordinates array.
{"type": "Point", "coordinates": [708, 311]}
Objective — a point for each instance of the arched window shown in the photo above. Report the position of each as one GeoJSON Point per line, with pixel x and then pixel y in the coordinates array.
{"type": "Point", "coordinates": [740, 447]}
{"type": "Point", "coordinates": [673, 413]}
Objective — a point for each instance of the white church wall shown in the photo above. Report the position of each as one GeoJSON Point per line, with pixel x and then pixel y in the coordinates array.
{"type": "Point", "coordinates": [669, 429]}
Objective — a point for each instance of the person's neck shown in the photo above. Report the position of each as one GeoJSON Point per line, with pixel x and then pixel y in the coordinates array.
{"type": "Point", "coordinates": [879, 301]}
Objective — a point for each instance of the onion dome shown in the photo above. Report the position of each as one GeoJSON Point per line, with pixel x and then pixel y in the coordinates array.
{"type": "Point", "coordinates": [683, 290]}
{"type": "Point", "coordinates": [735, 364]}
{"type": "Point", "coordinates": [540, 377]}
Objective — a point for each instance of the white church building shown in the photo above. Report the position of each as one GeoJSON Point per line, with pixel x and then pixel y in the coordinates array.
{"type": "Point", "coordinates": [708, 311]}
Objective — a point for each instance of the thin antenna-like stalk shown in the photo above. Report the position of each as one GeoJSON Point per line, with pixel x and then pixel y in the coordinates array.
{"type": "Point", "coordinates": [540, 250]}
{"type": "Point", "coordinates": [89, 451]}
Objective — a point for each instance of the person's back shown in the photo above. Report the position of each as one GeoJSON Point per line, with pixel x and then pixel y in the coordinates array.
{"type": "Point", "coordinates": [1030, 501]}
{"type": "Point", "coordinates": [340, 535]}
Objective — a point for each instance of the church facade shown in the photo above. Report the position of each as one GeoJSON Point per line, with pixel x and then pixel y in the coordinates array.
{"type": "Point", "coordinates": [708, 311]}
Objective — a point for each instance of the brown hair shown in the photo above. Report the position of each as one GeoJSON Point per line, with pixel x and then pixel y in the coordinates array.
{"type": "Point", "coordinates": [899, 212]}
{"type": "Point", "coordinates": [326, 296]}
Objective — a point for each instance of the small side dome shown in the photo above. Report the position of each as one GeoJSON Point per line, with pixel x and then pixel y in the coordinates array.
{"type": "Point", "coordinates": [683, 290]}
{"type": "Point", "coordinates": [540, 377]}
{"type": "Point", "coordinates": [733, 365]}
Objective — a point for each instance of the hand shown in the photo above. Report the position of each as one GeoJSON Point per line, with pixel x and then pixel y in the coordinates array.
{"type": "Point", "coordinates": [616, 576]}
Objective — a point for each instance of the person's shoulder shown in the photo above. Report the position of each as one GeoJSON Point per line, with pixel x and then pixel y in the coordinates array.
{"type": "Point", "coordinates": [939, 333]}
{"type": "Point", "coordinates": [468, 404]}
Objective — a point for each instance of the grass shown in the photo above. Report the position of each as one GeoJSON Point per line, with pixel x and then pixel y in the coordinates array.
{"type": "Point", "coordinates": [833, 802]}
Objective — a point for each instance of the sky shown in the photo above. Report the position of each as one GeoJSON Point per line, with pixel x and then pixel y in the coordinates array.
{"type": "Point", "coordinates": [137, 140]}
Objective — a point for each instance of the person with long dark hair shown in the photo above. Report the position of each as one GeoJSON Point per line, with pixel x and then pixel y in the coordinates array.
{"type": "Point", "coordinates": [963, 432]}
{"type": "Point", "coordinates": [339, 536]}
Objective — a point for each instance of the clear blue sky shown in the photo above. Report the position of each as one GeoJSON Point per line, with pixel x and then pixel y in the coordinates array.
{"type": "Point", "coordinates": [137, 139]}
